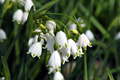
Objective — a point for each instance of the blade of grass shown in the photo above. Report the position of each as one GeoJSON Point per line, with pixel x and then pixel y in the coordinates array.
{"type": "Point", "coordinates": [85, 66]}
{"type": "Point", "coordinates": [110, 74]}
{"type": "Point", "coordinates": [6, 69]}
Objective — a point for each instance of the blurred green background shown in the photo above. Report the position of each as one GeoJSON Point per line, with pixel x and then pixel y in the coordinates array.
{"type": "Point", "coordinates": [102, 17]}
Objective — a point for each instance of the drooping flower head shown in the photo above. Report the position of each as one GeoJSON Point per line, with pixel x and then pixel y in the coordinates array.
{"type": "Point", "coordinates": [2, 35]}
{"type": "Point", "coordinates": [83, 41]}
{"type": "Point", "coordinates": [17, 16]}
{"type": "Point", "coordinates": [58, 76]}
{"type": "Point", "coordinates": [35, 50]}
{"type": "Point", "coordinates": [72, 26]}
{"type": "Point", "coordinates": [54, 62]}
{"type": "Point", "coordinates": [50, 25]}
{"type": "Point", "coordinates": [89, 35]}
{"type": "Point", "coordinates": [61, 39]}
{"type": "Point", "coordinates": [28, 5]}
{"type": "Point", "coordinates": [2, 1]}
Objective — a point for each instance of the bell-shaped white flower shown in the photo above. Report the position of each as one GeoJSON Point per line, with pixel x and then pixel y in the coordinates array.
{"type": "Point", "coordinates": [25, 16]}
{"type": "Point", "coordinates": [72, 26]}
{"type": "Point", "coordinates": [58, 76]}
{"type": "Point", "coordinates": [2, 35]}
{"type": "Point", "coordinates": [2, 78]}
{"type": "Point", "coordinates": [117, 36]}
{"type": "Point", "coordinates": [61, 39]}
{"type": "Point", "coordinates": [35, 50]}
{"type": "Point", "coordinates": [63, 55]}
{"type": "Point", "coordinates": [50, 25]}
{"type": "Point", "coordinates": [83, 41]}
{"type": "Point", "coordinates": [50, 45]}
{"type": "Point", "coordinates": [89, 35]}
{"type": "Point", "coordinates": [17, 16]}
{"type": "Point", "coordinates": [28, 5]}
{"type": "Point", "coordinates": [54, 62]}
{"type": "Point", "coordinates": [48, 36]}
{"type": "Point", "coordinates": [72, 48]}
{"type": "Point", "coordinates": [2, 1]}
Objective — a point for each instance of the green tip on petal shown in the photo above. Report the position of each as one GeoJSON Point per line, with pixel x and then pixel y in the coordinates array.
{"type": "Point", "coordinates": [80, 55]}
{"type": "Point", "coordinates": [80, 52]}
{"type": "Point", "coordinates": [85, 47]}
{"type": "Point", "coordinates": [18, 21]}
{"type": "Point", "coordinates": [63, 62]}
{"type": "Point", "coordinates": [60, 53]}
{"type": "Point", "coordinates": [34, 55]}
{"type": "Point", "coordinates": [51, 66]}
{"type": "Point", "coordinates": [56, 70]}
{"type": "Point", "coordinates": [66, 45]}
{"type": "Point", "coordinates": [39, 57]}
{"type": "Point", "coordinates": [25, 11]}
{"type": "Point", "coordinates": [68, 55]}
{"type": "Point", "coordinates": [73, 56]}
{"type": "Point", "coordinates": [49, 72]}
{"type": "Point", "coordinates": [78, 47]}
{"type": "Point", "coordinates": [28, 52]}
{"type": "Point", "coordinates": [59, 67]}
{"type": "Point", "coordinates": [90, 44]}
{"type": "Point", "coordinates": [53, 28]}
{"type": "Point", "coordinates": [77, 53]}
{"type": "Point", "coordinates": [13, 20]}
{"type": "Point", "coordinates": [59, 46]}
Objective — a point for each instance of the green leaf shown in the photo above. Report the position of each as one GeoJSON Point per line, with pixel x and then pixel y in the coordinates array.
{"type": "Point", "coordinates": [29, 23]}
{"type": "Point", "coordinates": [44, 8]}
{"type": "Point", "coordinates": [110, 74]}
{"type": "Point", "coordinates": [4, 7]}
{"type": "Point", "coordinates": [6, 69]}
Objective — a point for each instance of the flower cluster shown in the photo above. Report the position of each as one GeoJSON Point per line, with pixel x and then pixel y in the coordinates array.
{"type": "Point", "coordinates": [60, 46]}
{"type": "Point", "coordinates": [21, 16]}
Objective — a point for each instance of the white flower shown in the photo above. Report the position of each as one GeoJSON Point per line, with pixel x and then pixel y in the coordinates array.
{"type": "Point", "coordinates": [63, 55]}
{"type": "Point", "coordinates": [35, 50]}
{"type": "Point", "coordinates": [2, 35]}
{"type": "Point", "coordinates": [61, 39]}
{"type": "Point", "coordinates": [50, 45]}
{"type": "Point", "coordinates": [58, 76]}
{"type": "Point", "coordinates": [2, 78]}
{"type": "Point", "coordinates": [17, 16]}
{"type": "Point", "coordinates": [72, 26]}
{"type": "Point", "coordinates": [89, 35]}
{"type": "Point", "coordinates": [2, 1]}
{"type": "Point", "coordinates": [28, 5]}
{"type": "Point", "coordinates": [54, 62]}
{"type": "Point", "coordinates": [83, 41]}
{"type": "Point", "coordinates": [117, 36]}
{"type": "Point", "coordinates": [25, 16]}
{"type": "Point", "coordinates": [50, 25]}
{"type": "Point", "coordinates": [72, 48]}
{"type": "Point", "coordinates": [48, 36]}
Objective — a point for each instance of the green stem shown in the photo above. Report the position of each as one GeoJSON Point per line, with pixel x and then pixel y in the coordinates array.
{"type": "Point", "coordinates": [78, 26]}
{"type": "Point", "coordinates": [85, 66]}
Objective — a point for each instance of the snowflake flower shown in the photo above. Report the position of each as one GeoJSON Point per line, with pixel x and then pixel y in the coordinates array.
{"type": "Point", "coordinates": [25, 16]}
{"type": "Point", "coordinates": [61, 39]}
{"type": "Point", "coordinates": [50, 25]}
{"type": "Point", "coordinates": [2, 35]}
{"type": "Point", "coordinates": [35, 50]}
{"type": "Point", "coordinates": [54, 62]}
{"type": "Point", "coordinates": [28, 5]}
{"type": "Point", "coordinates": [17, 16]}
{"type": "Point", "coordinates": [83, 41]}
